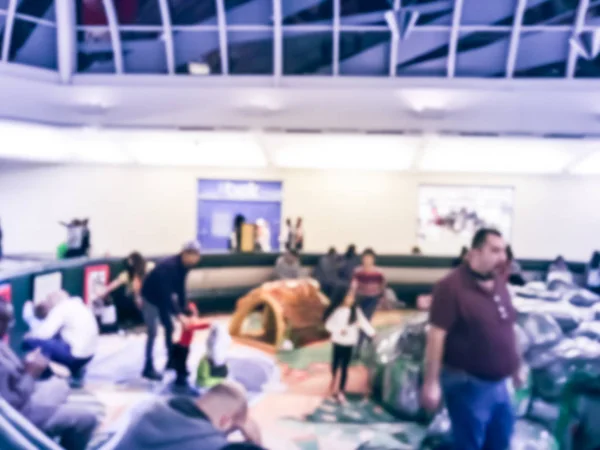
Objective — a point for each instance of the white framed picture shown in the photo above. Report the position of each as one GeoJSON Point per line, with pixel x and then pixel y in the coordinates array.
{"type": "Point", "coordinates": [449, 215]}
{"type": "Point", "coordinates": [45, 284]}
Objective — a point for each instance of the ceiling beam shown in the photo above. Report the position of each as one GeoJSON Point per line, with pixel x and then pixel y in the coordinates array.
{"type": "Point", "coordinates": [394, 40]}
{"type": "Point", "coordinates": [66, 39]}
{"type": "Point", "coordinates": [115, 35]}
{"type": "Point", "coordinates": [337, 11]}
{"type": "Point", "coordinates": [577, 28]}
{"type": "Point", "coordinates": [277, 41]}
{"type": "Point", "coordinates": [165, 14]}
{"type": "Point", "coordinates": [454, 36]}
{"type": "Point", "coordinates": [8, 29]}
{"type": "Point", "coordinates": [515, 38]}
{"type": "Point", "coordinates": [223, 44]}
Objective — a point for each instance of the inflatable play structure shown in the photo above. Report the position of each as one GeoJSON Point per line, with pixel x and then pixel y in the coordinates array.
{"type": "Point", "coordinates": [289, 310]}
{"type": "Point", "coordinates": [559, 339]}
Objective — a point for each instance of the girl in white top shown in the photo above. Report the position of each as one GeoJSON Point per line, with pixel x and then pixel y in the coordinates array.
{"type": "Point", "coordinates": [345, 324]}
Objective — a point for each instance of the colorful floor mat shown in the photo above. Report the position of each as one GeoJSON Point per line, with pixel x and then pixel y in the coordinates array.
{"type": "Point", "coordinates": [287, 393]}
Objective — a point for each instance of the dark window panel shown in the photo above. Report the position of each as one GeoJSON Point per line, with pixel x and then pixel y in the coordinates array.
{"type": "Point", "coordinates": [432, 12]}
{"type": "Point", "coordinates": [550, 12]}
{"type": "Point", "coordinates": [193, 12]}
{"type": "Point", "coordinates": [542, 54]}
{"type": "Point", "coordinates": [197, 47]}
{"type": "Point", "coordinates": [482, 54]}
{"type": "Point", "coordinates": [94, 51]}
{"type": "Point", "coordinates": [588, 68]}
{"type": "Point", "coordinates": [249, 12]}
{"type": "Point", "coordinates": [2, 27]}
{"type": "Point", "coordinates": [129, 12]}
{"type": "Point", "coordinates": [477, 12]}
{"type": "Point", "coordinates": [43, 9]}
{"type": "Point", "coordinates": [300, 12]}
{"type": "Point", "coordinates": [39, 49]}
{"type": "Point", "coordinates": [250, 52]}
{"type": "Point", "coordinates": [306, 53]}
{"type": "Point", "coordinates": [363, 12]}
{"type": "Point", "coordinates": [365, 54]}
{"type": "Point", "coordinates": [143, 52]}
{"type": "Point", "coordinates": [593, 15]}
{"type": "Point", "coordinates": [138, 12]}
{"type": "Point", "coordinates": [423, 54]}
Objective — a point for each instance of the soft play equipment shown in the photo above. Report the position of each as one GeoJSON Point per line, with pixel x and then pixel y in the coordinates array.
{"type": "Point", "coordinates": [290, 309]}
{"type": "Point", "coordinates": [16, 432]}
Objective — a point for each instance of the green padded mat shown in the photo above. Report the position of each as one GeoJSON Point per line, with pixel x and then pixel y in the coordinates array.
{"type": "Point", "coordinates": [359, 424]}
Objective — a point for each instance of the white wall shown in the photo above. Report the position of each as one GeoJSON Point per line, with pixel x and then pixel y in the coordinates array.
{"type": "Point", "coordinates": [154, 210]}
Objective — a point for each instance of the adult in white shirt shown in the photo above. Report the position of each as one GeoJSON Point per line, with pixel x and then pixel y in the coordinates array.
{"type": "Point", "coordinates": [67, 335]}
{"type": "Point", "coordinates": [345, 325]}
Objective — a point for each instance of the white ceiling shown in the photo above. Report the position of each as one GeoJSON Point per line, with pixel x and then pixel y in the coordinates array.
{"type": "Point", "coordinates": [299, 150]}
{"type": "Point", "coordinates": [540, 107]}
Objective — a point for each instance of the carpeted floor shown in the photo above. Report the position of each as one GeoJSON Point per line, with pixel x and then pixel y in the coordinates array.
{"type": "Point", "coordinates": [287, 393]}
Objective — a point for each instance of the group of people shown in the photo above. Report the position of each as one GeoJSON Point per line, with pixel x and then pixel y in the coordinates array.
{"type": "Point", "coordinates": [292, 235]}
{"type": "Point", "coordinates": [64, 332]}
{"type": "Point", "coordinates": [355, 286]}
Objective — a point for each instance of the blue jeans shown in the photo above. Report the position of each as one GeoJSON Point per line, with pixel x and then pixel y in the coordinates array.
{"type": "Point", "coordinates": [57, 350]}
{"type": "Point", "coordinates": [480, 411]}
{"type": "Point", "coordinates": [368, 305]}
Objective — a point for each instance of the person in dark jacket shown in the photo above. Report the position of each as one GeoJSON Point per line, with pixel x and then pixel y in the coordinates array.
{"type": "Point", "coordinates": [326, 272]}
{"type": "Point", "coordinates": [350, 262]}
{"type": "Point", "coordinates": [164, 298]}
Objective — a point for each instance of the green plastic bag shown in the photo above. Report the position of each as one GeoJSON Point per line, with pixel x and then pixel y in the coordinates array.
{"type": "Point", "coordinates": [61, 251]}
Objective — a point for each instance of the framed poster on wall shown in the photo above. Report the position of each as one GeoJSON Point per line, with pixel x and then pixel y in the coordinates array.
{"type": "Point", "coordinates": [448, 215]}
{"type": "Point", "coordinates": [95, 280]}
{"type": "Point", "coordinates": [220, 201]}
{"type": "Point", "coordinates": [5, 293]}
{"type": "Point", "coordinates": [44, 285]}
{"type": "Point", "coordinates": [6, 296]}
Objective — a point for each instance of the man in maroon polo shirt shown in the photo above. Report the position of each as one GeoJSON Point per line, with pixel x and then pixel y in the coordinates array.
{"type": "Point", "coordinates": [472, 349]}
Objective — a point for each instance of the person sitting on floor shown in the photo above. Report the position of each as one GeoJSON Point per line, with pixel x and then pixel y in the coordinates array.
{"type": "Point", "coordinates": [185, 423]}
{"type": "Point", "coordinates": [67, 335]}
{"type": "Point", "coordinates": [212, 369]}
{"type": "Point", "coordinates": [42, 402]}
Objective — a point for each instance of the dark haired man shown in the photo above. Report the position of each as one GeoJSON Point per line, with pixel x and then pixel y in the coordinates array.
{"type": "Point", "coordinates": [472, 349]}
{"type": "Point", "coordinates": [164, 298]}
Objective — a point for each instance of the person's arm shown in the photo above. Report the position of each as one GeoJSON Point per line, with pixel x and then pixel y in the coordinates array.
{"type": "Point", "coordinates": [16, 387]}
{"type": "Point", "coordinates": [112, 286]}
{"type": "Point", "coordinates": [251, 432]}
{"type": "Point", "coordinates": [434, 352]}
{"type": "Point", "coordinates": [51, 325]}
{"type": "Point", "coordinates": [364, 324]}
{"type": "Point", "coordinates": [333, 322]}
{"type": "Point", "coordinates": [442, 317]}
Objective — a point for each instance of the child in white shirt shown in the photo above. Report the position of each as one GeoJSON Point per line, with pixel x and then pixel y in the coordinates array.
{"type": "Point", "coordinates": [345, 325]}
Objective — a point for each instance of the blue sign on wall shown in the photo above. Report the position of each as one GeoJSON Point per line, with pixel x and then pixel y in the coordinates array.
{"type": "Point", "coordinates": [220, 201]}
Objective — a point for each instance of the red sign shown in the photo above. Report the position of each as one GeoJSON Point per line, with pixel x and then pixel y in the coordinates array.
{"type": "Point", "coordinates": [93, 12]}
{"type": "Point", "coordinates": [96, 279]}
{"type": "Point", "coordinates": [6, 292]}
